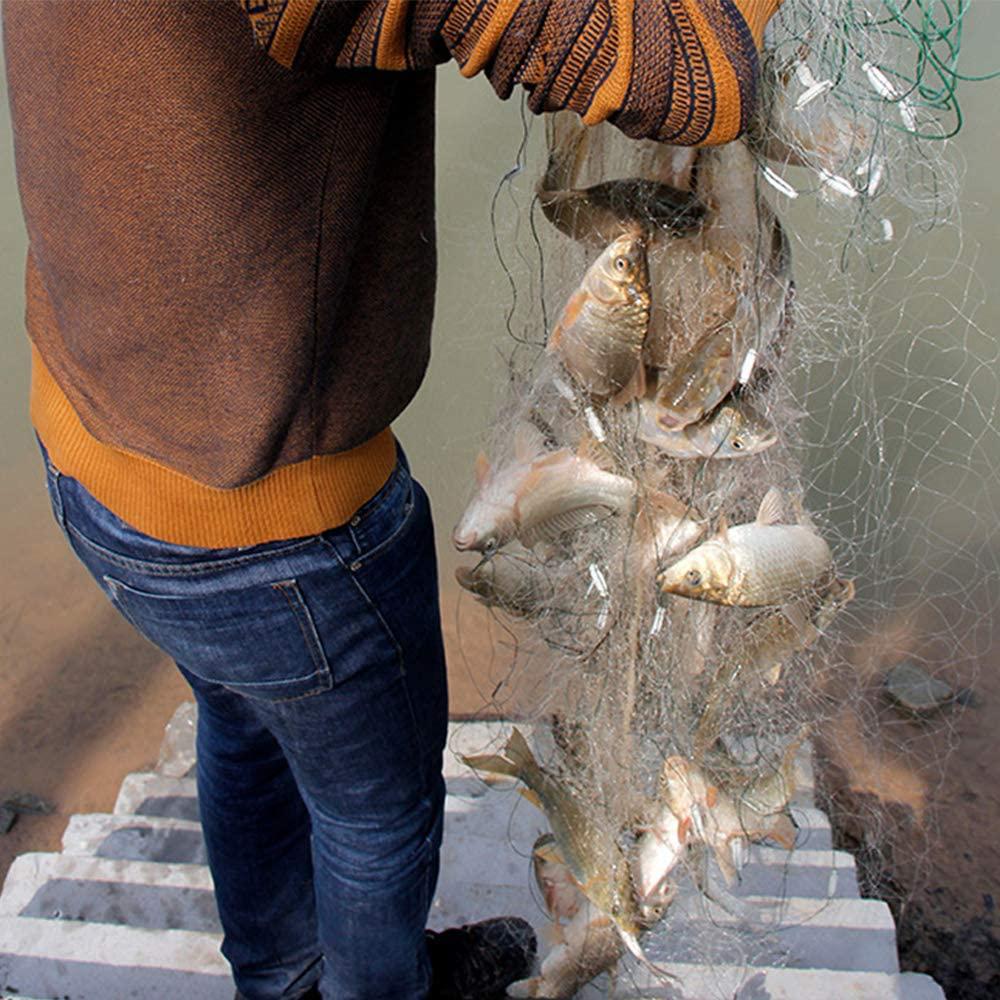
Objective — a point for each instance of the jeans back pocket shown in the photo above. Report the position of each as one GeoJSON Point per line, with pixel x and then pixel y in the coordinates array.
{"type": "Point", "coordinates": [259, 640]}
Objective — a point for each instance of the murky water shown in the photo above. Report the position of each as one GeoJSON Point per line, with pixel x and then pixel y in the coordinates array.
{"type": "Point", "coordinates": [76, 681]}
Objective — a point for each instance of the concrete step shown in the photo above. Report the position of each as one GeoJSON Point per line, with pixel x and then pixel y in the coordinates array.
{"type": "Point", "coordinates": [127, 910]}
{"type": "Point", "coordinates": [844, 934]}
{"type": "Point", "coordinates": [146, 793]}
{"type": "Point", "coordinates": [771, 871]}
{"type": "Point", "coordinates": [134, 838]}
{"type": "Point", "coordinates": [141, 894]}
{"type": "Point", "coordinates": [86, 961]}
{"type": "Point", "coordinates": [735, 982]}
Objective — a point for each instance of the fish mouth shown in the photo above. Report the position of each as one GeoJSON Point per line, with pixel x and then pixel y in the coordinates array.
{"type": "Point", "coordinates": [463, 542]}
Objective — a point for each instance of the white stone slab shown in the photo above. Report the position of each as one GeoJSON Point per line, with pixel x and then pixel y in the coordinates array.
{"type": "Point", "coordinates": [55, 958]}
{"type": "Point", "coordinates": [917, 986]}
{"type": "Point", "coordinates": [150, 794]}
{"type": "Point", "coordinates": [720, 982]}
{"type": "Point", "coordinates": [135, 838]}
{"type": "Point", "coordinates": [31, 872]}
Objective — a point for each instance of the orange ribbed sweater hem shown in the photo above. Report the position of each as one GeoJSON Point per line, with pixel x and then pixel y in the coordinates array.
{"type": "Point", "coordinates": [305, 498]}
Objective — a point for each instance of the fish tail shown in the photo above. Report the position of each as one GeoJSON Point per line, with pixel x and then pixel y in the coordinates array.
{"type": "Point", "coordinates": [525, 987]}
{"type": "Point", "coordinates": [519, 753]}
{"type": "Point", "coordinates": [516, 760]}
{"type": "Point", "coordinates": [632, 943]}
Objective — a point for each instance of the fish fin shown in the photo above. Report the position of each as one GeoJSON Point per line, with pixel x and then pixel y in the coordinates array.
{"type": "Point", "coordinates": [722, 532]}
{"type": "Point", "coordinates": [569, 315]}
{"type": "Point", "coordinates": [493, 764]}
{"type": "Point", "coordinates": [518, 751]}
{"type": "Point", "coordinates": [531, 797]}
{"type": "Point", "coordinates": [711, 796]}
{"type": "Point", "coordinates": [525, 987]}
{"type": "Point", "coordinates": [482, 468]}
{"type": "Point", "coordinates": [664, 503]}
{"type": "Point", "coordinates": [771, 508]}
{"type": "Point", "coordinates": [553, 528]}
{"type": "Point", "coordinates": [725, 860]}
{"type": "Point", "coordinates": [782, 831]}
{"type": "Point", "coordinates": [801, 514]}
{"type": "Point", "coordinates": [528, 441]}
{"type": "Point", "coordinates": [683, 829]}
{"type": "Point", "coordinates": [634, 388]}
{"type": "Point", "coordinates": [798, 616]}
{"type": "Point", "coordinates": [591, 450]}
{"type": "Point", "coordinates": [773, 675]}
{"type": "Point", "coordinates": [845, 590]}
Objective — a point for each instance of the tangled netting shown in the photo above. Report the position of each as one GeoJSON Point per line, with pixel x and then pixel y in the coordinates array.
{"type": "Point", "coordinates": [681, 513]}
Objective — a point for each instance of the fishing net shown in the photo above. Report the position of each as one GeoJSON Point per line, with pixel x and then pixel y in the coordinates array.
{"type": "Point", "coordinates": [764, 296]}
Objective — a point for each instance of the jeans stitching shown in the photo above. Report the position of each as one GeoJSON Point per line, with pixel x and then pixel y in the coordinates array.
{"type": "Point", "coordinates": [289, 590]}
{"type": "Point", "coordinates": [322, 673]}
{"type": "Point", "coordinates": [373, 553]}
{"type": "Point", "coordinates": [151, 568]}
{"type": "Point", "coordinates": [373, 608]}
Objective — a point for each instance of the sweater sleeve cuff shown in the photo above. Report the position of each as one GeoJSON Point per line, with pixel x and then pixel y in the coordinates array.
{"type": "Point", "coordinates": [757, 13]}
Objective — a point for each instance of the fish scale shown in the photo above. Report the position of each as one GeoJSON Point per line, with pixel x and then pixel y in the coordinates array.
{"type": "Point", "coordinates": [773, 562]}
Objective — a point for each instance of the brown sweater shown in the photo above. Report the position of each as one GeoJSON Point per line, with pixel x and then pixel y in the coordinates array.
{"type": "Point", "coordinates": [231, 266]}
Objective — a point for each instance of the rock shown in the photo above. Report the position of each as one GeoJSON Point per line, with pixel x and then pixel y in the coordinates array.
{"type": "Point", "coordinates": [7, 819]}
{"type": "Point", "coordinates": [27, 802]}
{"type": "Point", "coordinates": [913, 689]}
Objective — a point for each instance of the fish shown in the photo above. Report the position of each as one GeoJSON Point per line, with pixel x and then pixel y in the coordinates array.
{"type": "Point", "coordinates": [600, 332]}
{"type": "Point", "coordinates": [561, 894]}
{"type": "Point", "coordinates": [590, 849]}
{"type": "Point", "coordinates": [600, 213]}
{"type": "Point", "coordinates": [514, 581]}
{"type": "Point", "coordinates": [658, 849]}
{"type": "Point", "coordinates": [725, 822]}
{"type": "Point", "coordinates": [752, 565]}
{"type": "Point", "coordinates": [733, 430]}
{"type": "Point", "coordinates": [664, 527]}
{"type": "Point", "coordinates": [539, 496]}
{"type": "Point", "coordinates": [762, 648]}
{"type": "Point", "coordinates": [813, 133]}
{"type": "Point", "coordinates": [721, 290]}
{"type": "Point", "coordinates": [590, 945]}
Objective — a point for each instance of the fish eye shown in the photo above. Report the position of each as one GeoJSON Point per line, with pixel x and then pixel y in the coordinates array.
{"type": "Point", "coordinates": [737, 443]}
{"type": "Point", "coordinates": [693, 577]}
{"type": "Point", "coordinates": [490, 547]}
{"type": "Point", "coordinates": [621, 263]}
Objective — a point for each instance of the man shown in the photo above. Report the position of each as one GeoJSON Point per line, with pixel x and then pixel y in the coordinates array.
{"type": "Point", "coordinates": [230, 287]}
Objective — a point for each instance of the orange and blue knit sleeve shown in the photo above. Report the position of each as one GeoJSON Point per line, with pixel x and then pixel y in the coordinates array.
{"type": "Point", "coordinates": [680, 71]}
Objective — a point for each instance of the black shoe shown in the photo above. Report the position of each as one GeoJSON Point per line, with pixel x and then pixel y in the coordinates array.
{"type": "Point", "coordinates": [479, 961]}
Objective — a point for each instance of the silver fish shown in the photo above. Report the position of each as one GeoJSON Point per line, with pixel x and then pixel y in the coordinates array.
{"type": "Point", "coordinates": [721, 291]}
{"type": "Point", "coordinates": [600, 332]}
{"type": "Point", "coordinates": [538, 496]}
{"type": "Point", "coordinates": [664, 528]}
{"type": "Point", "coordinates": [601, 212]}
{"type": "Point", "coordinates": [590, 848]}
{"type": "Point", "coordinates": [806, 126]}
{"type": "Point", "coordinates": [761, 649]}
{"type": "Point", "coordinates": [734, 430]}
{"type": "Point", "coordinates": [658, 849]}
{"type": "Point", "coordinates": [726, 820]}
{"type": "Point", "coordinates": [590, 945]}
{"type": "Point", "coordinates": [560, 892]}
{"type": "Point", "coordinates": [752, 565]}
{"type": "Point", "coordinates": [514, 581]}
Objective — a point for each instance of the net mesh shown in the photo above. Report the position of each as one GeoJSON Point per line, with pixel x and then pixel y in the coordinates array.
{"type": "Point", "coordinates": [675, 389]}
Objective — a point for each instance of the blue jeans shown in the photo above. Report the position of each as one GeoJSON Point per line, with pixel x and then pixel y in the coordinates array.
{"type": "Point", "coordinates": [318, 669]}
